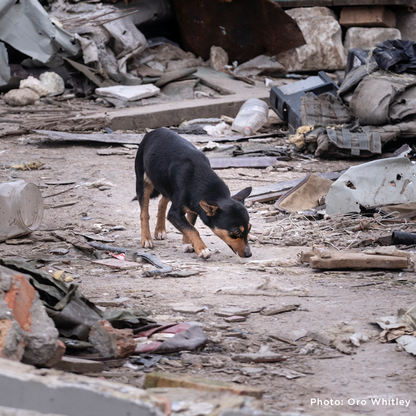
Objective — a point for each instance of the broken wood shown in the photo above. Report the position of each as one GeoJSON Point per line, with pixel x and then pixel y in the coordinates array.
{"type": "Point", "coordinates": [357, 261]}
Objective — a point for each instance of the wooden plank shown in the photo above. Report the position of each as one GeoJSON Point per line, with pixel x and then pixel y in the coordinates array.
{"type": "Point", "coordinates": [357, 261]}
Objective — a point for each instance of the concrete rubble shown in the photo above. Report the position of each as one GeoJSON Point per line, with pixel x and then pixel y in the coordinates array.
{"type": "Point", "coordinates": [92, 323]}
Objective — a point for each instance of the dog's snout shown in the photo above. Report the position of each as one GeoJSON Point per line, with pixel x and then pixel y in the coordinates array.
{"type": "Point", "coordinates": [247, 252]}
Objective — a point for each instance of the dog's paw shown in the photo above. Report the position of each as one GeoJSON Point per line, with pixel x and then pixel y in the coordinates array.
{"type": "Point", "coordinates": [147, 243]}
{"type": "Point", "coordinates": [187, 248]}
{"type": "Point", "coordinates": [204, 254]}
{"type": "Point", "coordinates": [160, 235]}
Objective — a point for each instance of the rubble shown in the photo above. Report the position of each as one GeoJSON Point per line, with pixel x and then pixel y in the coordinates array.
{"type": "Point", "coordinates": [367, 38]}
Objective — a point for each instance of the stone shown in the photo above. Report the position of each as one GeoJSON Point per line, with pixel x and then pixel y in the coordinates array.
{"type": "Point", "coordinates": [264, 355]}
{"type": "Point", "coordinates": [21, 97]}
{"type": "Point", "coordinates": [180, 90]}
{"type": "Point", "coordinates": [406, 24]}
{"type": "Point", "coordinates": [191, 309]}
{"type": "Point", "coordinates": [367, 16]}
{"type": "Point", "coordinates": [233, 319]}
{"type": "Point", "coordinates": [35, 85]}
{"type": "Point", "coordinates": [79, 365]}
{"type": "Point", "coordinates": [162, 379]}
{"type": "Point", "coordinates": [112, 342]}
{"type": "Point", "coordinates": [31, 329]}
{"type": "Point", "coordinates": [323, 50]}
{"type": "Point", "coordinates": [251, 371]}
{"type": "Point", "coordinates": [53, 82]}
{"type": "Point", "coordinates": [367, 38]}
{"type": "Point", "coordinates": [128, 92]}
{"type": "Point", "coordinates": [232, 311]}
{"type": "Point", "coordinates": [115, 303]}
{"type": "Point", "coordinates": [12, 344]}
{"type": "Point", "coordinates": [57, 356]}
{"type": "Point", "coordinates": [261, 65]}
{"type": "Point", "coordinates": [218, 58]}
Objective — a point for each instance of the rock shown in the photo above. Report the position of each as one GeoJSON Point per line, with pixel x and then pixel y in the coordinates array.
{"type": "Point", "coordinates": [406, 24]}
{"type": "Point", "coordinates": [128, 92]}
{"type": "Point", "coordinates": [232, 311]}
{"type": "Point", "coordinates": [12, 344]}
{"type": "Point", "coordinates": [261, 65]}
{"type": "Point", "coordinates": [58, 354]}
{"type": "Point", "coordinates": [112, 342]}
{"type": "Point", "coordinates": [323, 50]}
{"type": "Point", "coordinates": [21, 97]}
{"type": "Point", "coordinates": [53, 83]}
{"type": "Point", "coordinates": [218, 58]}
{"type": "Point", "coordinates": [233, 319]}
{"type": "Point", "coordinates": [251, 371]}
{"type": "Point", "coordinates": [264, 355]}
{"type": "Point", "coordinates": [35, 85]}
{"type": "Point", "coordinates": [366, 38]}
{"type": "Point", "coordinates": [181, 90]}
{"type": "Point", "coordinates": [79, 365]}
{"type": "Point", "coordinates": [26, 331]}
{"type": "Point", "coordinates": [188, 309]}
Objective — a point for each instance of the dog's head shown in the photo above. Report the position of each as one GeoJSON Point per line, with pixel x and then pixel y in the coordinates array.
{"type": "Point", "coordinates": [229, 220]}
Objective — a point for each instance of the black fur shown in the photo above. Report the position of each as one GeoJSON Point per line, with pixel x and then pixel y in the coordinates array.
{"type": "Point", "coordinates": [183, 174]}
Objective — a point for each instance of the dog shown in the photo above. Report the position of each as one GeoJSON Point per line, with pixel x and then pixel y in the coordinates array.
{"type": "Point", "coordinates": [166, 164]}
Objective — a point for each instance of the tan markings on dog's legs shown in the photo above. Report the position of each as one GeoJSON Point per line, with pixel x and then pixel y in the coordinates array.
{"type": "Point", "coordinates": [147, 241]}
{"type": "Point", "coordinates": [198, 245]}
{"type": "Point", "coordinates": [191, 217]}
{"type": "Point", "coordinates": [160, 230]}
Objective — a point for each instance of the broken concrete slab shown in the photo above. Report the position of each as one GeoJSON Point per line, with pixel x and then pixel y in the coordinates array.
{"type": "Point", "coordinates": [128, 92]}
{"type": "Point", "coordinates": [52, 391]}
{"type": "Point", "coordinates": [367, 38]}
{"type": "Point", "coordinates": [79, 365]}
{"type": "Point", "coordinates": [232, 311]}
{"type": "Point", "coordinates": [117, 264]}
{"type": "Point", "coordinates": [323, 35]}
{"type": "Point", "coordinates": [191, 309]}
{"type": "Point", "coordinates": [391, 183]}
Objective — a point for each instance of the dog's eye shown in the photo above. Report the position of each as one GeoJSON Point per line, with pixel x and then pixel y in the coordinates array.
{"type": "Point", "coordinates": [235, 234]}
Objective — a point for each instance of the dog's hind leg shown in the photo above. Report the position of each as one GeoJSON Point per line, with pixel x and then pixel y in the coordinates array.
{"type": "Point", "coordinates": [160, 230]}
{"type": "Point", "coordinates": [187, 245]}
{"type": "Point", "coordinates": [144, 199]}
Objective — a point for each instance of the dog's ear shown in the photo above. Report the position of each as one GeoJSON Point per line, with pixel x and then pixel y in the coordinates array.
{"type": "Point", "coordinates": [210, 208]}
{"type": "Point", "coordinates": [242, 195]}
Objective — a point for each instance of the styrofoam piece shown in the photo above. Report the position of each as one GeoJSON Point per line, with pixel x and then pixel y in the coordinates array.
{"type": "Point", "coordinates": [128, 92]}
{"type": "Point", "coordinates": [377, 183]}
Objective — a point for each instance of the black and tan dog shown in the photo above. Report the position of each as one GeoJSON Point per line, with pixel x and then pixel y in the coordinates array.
{"type": "Point", "coordinates": [167, 164]}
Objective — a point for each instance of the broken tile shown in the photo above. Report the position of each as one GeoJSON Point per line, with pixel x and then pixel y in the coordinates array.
{"type": "Point", "coordinates": [232, 311]}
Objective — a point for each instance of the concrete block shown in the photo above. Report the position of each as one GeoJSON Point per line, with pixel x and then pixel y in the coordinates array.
{"type": "Point", "coordinates": [162, 379]}
{"type": "Point", "coordinates": [12, 344]}
{"type": "Point", "coordinates": [406, 23]}
{"type": "Point", "coordinates": [112, 342]}
{"type": "Point", "coordinates": [367, 16]}
{"type": "Point", "coordinates": [51, 391]}
{"type": "Point", "coordinates": [9, 411]}
{"type": "Point", "coordinates": [367, 38]}
{"type": "Point", "coordinates": [79, 365]}
{"type": "Point", "coordinates": [323, 50]}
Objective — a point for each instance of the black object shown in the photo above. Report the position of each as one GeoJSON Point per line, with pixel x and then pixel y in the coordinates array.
{"type": "Point", "coordinates": [396, 55]}
{"type": "Point", "coordinates": [401, 237]}
{"type": "Point", "coordinates": [357, 57]}
{"type": "Point", "coordinates": [286, 100]}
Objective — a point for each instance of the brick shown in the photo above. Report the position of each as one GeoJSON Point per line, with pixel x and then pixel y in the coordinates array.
{"type": "Point", "coordinates": [19, 299]}
{"type": "Point", "coordinates": [367, 16]}
{"type": "Point", "coordinates": [79, 365]}
{"type": "Point", "coordinates": [12, 344]}
{"type": "Point", "coordinates": [162, 379]}
{"type": "Point", "coordinates": [112, 342]}
{"type": "Point", "coordinates": [57, 355]}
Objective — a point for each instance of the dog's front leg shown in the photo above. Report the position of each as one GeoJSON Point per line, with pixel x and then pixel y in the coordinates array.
{"type": "Point", "coordinates": [190, 233]}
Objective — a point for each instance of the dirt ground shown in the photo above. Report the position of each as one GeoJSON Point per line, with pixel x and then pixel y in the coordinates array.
{"type": "Point", "coordinates": [327, 300]}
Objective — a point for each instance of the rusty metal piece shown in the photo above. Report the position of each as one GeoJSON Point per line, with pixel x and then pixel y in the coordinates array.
{"type": "Point", "coordinates": [244, 28]}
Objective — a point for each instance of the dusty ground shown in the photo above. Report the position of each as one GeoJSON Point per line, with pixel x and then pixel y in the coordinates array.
{"type": "Point", "coordinates": [376, 370]}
